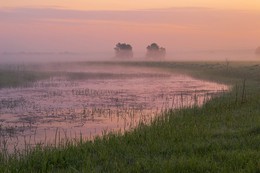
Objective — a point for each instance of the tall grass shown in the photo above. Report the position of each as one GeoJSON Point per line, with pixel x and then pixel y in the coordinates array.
{"type": "Point", "coordinates": [221, 136]}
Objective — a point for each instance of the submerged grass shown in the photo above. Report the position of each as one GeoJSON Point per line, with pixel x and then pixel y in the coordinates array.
{"type": "Point", "coordinates": [221, 136]}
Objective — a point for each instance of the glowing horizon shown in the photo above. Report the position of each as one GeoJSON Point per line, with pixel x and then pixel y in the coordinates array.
{"type": "Point", "coordinates": [95, 26]}
{"type": "Point", "coordinates": [133, 5]}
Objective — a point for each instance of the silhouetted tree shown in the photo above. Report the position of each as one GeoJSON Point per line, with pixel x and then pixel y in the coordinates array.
{"type": "Point", "coordinates": [123, 50]}
{"type": "Point", "coordinates": [257, 51]}
{"type": "Point", "coordinates": [154, 51]}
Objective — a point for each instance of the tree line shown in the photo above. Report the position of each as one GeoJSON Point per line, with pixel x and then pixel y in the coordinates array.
{"type": "Point", "coordinates": [154, 51]}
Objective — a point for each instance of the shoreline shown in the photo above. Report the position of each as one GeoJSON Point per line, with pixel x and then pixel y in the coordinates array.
{"type": "Point", "coordinates": [221, 136]}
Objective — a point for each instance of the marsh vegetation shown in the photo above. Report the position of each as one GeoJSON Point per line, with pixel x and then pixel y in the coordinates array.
{"type": "Point", "coordinates": [86, 101]}
{"type": "Point", "coordinates": [220, 135]}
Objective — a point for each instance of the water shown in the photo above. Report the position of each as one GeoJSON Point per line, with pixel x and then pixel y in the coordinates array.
{"type": "Point", "coordinates": [86, 101]}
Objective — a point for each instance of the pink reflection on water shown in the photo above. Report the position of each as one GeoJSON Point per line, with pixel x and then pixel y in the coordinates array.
{"type": "Point", "coordinates": [117, 100]}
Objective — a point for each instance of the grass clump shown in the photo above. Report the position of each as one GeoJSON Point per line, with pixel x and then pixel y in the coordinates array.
{"type": "Point", "coordinates": [19, 78]}
{"type": "Point", "coordinates": [221, 136]}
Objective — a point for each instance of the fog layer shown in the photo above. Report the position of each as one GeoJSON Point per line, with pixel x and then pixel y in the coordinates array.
{"type": "Point", "coordinates": [179, 30]}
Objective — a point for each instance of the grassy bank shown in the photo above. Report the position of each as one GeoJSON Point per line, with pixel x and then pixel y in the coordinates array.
{"type": "Point", "coordinates": [221, 136]}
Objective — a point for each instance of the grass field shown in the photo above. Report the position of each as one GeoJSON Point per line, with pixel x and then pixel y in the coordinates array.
{"type": "Point", "coordinates": [221, 136]}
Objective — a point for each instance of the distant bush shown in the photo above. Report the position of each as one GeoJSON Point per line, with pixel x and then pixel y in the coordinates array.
{"type": "Point", "coordinates": [154, 51]}
{"type": "Point", "coordinates": [123, 50]}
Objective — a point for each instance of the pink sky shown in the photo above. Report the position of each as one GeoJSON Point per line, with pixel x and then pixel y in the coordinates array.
{"type": "Point", "coordinates": [88, 26]}
{"type": "Point", "coordinates": [133, 4]}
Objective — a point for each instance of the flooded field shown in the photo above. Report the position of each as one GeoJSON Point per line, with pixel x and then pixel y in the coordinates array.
{"type": "Point", "coordinates": [84, 102]}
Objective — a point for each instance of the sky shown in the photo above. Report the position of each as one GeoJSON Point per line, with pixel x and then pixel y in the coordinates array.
{"type": "Point", "coordinates": [96, 26]}
{"type": "Point", "coordinates": [134, 4]}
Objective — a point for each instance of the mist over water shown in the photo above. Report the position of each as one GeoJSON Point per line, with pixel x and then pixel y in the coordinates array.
{"type": "Point", "coordinates": [209, 55]}
{"type": "Point", "coordinates": [87, 99]}
{"type": "Point", "coordinates": [79, 98]}
{"type": "Point", "coordinates": [52, 34]}
{"type": "Point", "coordinates": [217, 55]}
{"type": "Point", "coordinates": [45, 57]}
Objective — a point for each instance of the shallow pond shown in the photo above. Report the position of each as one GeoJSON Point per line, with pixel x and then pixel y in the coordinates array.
{"type": "Point", "coordinates": [85, 102]}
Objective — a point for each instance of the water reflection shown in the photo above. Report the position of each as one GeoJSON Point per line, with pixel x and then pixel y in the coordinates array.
{"type": "Point", "coordinates": [87, 102]}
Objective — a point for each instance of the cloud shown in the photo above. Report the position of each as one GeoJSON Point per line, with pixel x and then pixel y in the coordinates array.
{"type": "Point", "coordinates": [163, 15]}
{"type": "Point", "coordinates": [190, 16]}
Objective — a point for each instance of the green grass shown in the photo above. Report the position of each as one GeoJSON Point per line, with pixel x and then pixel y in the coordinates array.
{"type": "Point", "coordinates": [221, 136]}
{"type": "Point", "coordinates": [18, 78]}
